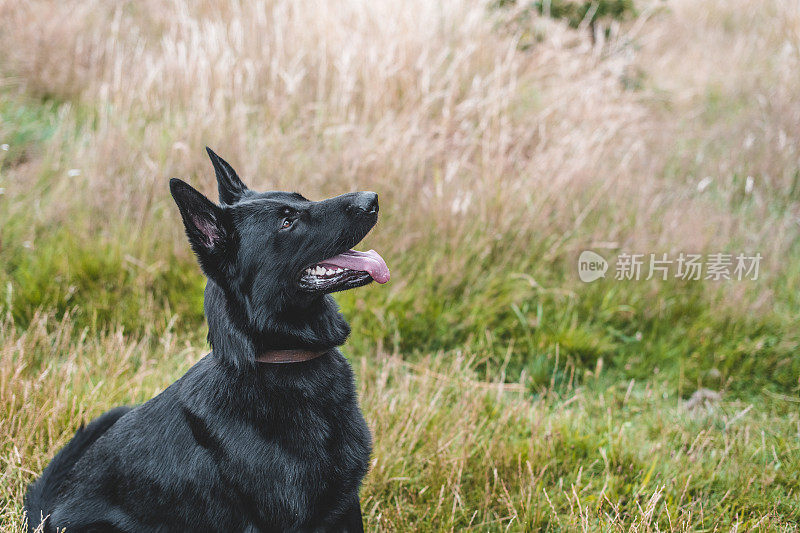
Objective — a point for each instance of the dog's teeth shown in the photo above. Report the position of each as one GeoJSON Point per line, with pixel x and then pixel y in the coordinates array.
{"type": "Point", "coordinates": [320, 270]}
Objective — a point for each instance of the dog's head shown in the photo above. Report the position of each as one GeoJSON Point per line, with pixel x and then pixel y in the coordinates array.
{"type": "Point", "coordinates": [273, 257]}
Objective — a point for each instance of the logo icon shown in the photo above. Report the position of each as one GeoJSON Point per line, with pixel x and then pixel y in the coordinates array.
{"type": "Point", "coordinates": [591, 266]}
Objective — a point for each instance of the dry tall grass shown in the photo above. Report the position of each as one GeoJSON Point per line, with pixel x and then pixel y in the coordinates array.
{"type": "Point", "coordinates": [452, 453]}
{"type": "Point", "coordinates": [437, 106]}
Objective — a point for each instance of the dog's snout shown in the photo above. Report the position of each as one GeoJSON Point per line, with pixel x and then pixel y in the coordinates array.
{"type": "Point", "coordinates": [366, 202]}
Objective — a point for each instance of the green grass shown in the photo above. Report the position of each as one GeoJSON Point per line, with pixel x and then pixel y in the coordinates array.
{"type": "Point", "coordinates": [100, 284]}
{"type": "Point", "coordinates": [512, 321]}
{"type": "Point", "coordinates": [576, 12]}
{"type": "Point", "coordinates": [566, 413]}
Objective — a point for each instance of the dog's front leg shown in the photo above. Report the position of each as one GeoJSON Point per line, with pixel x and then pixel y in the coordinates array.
{"type": "Point", "coordinates": [351, 521]}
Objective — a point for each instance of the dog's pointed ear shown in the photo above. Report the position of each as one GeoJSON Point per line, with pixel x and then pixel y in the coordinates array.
{"type": "Point", "coordinates": [231, 188]}
{"type": "Point", "coordinates": [205, 224]}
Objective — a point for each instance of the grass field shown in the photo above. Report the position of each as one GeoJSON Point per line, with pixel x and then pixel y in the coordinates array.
{"type": "Point", "coordinates": [503, 393]}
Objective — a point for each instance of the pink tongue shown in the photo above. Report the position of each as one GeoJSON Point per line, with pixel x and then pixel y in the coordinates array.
{"type": "Point", "coordinates": [370, 262]}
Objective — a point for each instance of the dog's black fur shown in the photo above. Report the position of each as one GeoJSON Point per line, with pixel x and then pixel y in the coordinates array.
{"type": "Point", "coordinates": [235, 444]}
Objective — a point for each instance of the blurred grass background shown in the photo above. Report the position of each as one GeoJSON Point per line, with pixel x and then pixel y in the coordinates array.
{"type": "Point", "coordinates": [504, 139]}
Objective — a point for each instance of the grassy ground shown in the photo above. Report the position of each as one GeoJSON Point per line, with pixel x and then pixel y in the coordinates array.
{"type": "Point", "coordinates": [503, 393]}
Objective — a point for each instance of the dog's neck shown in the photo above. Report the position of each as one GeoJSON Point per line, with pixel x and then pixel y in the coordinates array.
{"type": "Point", "coordinates": [240, 339]}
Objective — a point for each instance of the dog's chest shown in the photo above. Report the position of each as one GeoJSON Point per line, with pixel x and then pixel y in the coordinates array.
{"type": "Point", "coordinates": [296, 465]}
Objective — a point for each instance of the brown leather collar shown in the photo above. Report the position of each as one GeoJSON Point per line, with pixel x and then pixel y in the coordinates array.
{"type": "Point", "coordinates": [287, 356]}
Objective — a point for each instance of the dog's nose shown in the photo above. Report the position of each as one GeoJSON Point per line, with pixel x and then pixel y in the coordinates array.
{"type": "Point", "coordinates": [364, 201]}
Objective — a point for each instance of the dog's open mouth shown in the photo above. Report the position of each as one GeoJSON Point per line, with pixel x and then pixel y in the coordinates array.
{"type": "Point", "coordinates": [345, 271]}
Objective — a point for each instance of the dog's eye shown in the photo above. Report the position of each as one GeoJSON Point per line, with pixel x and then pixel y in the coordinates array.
{"type": "Point", "coordinates": [287, 223]}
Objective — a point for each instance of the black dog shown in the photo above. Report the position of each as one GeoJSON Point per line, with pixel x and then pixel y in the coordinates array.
{"type": "Point", "coordinates": [264, 433]}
